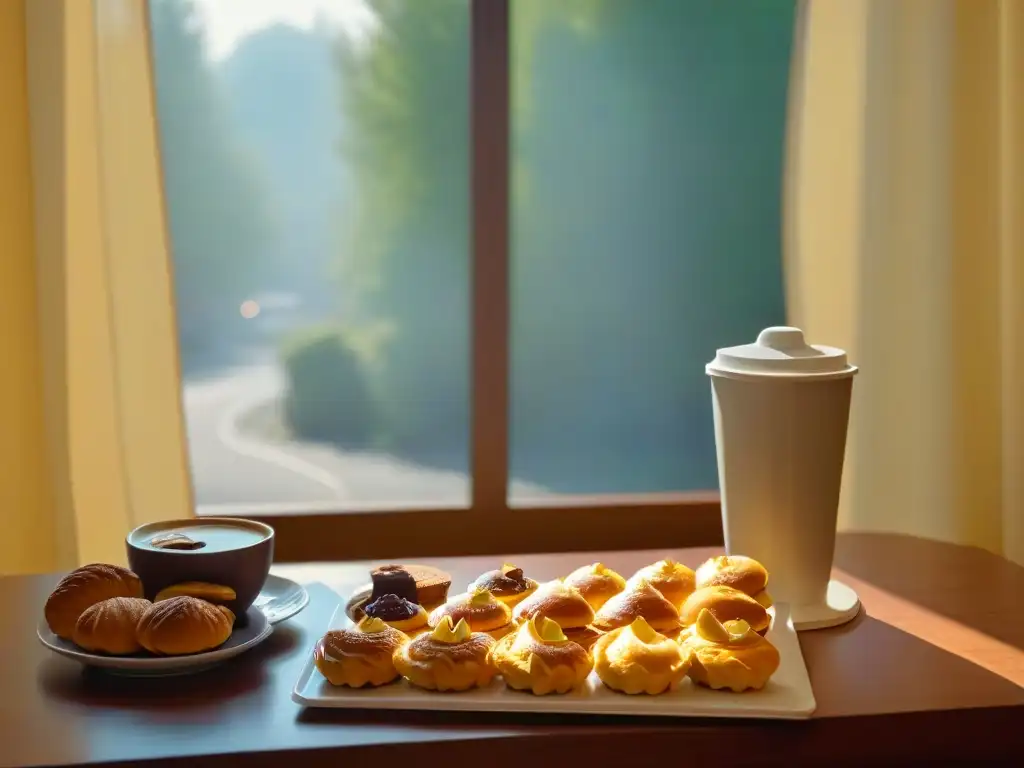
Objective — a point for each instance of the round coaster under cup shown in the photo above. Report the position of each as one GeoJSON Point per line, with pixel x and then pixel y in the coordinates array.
{"type": "Point", "coordinates": [841, 606]}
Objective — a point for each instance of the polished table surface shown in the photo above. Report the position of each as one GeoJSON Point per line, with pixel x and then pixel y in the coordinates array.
{"type": "Point", "coordinates": [932, 671]}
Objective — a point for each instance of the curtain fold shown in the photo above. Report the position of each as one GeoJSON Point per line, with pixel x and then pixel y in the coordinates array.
{"type": "Point", "coordinates": [904, 245]}
{"type": "Point", "coordinates": [113, 451]}
{"type": "Point", "coordinates": [26, 496]}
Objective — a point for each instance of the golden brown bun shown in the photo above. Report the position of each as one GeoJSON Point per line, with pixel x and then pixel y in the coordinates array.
{"type": "Point", "coordinates": [674, 580]}
{"type": "Point", "coordinates": [447, 666]}
{"type": "Point", "coordinates": [726, 604]}
{"type": "Point", "coordinates": [184, 625]}
{"type": "Point", "coordinates": [211, 593]}
{"type": "Point", "coordinates": [507, 584]}
{"type": "Point", "coordinates": [639, 599]}
{"type": "Point", "coordinates": [729, 655]}
{"type": "Point", "coordinates": [557, 601]}
{"type": "Point", "coordinates": [597, 583]}
{"type": "Point", "coordinates": [541, 660]}
{"type": "Point", "coordinates": [362, 655]}
{"type": "Point", "coordinates": [636, 659]}
{"type": "Point", "coordinates": [480, 609]}
{"type": "Point", "coordinates": [83, 587]}
{"type": "Point", "coordinates": [736, 571]}
{"type": "Point", "coordinates": [109, 626]}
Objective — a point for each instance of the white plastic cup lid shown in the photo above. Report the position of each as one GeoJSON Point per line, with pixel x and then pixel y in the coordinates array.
{"type": "Point", "coordinates": [781, 352]}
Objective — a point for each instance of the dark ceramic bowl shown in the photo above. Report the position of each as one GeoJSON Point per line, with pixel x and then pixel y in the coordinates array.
{"type": "Point", "coordinates": [234, 553]}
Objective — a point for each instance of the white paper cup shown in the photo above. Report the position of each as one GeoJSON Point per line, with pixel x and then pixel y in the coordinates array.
{"type": "Point", "coordinates": [781, 409]}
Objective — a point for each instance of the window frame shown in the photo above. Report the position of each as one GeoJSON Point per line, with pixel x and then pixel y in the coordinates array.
{"type": "Point", "coordinates": [491, 523]}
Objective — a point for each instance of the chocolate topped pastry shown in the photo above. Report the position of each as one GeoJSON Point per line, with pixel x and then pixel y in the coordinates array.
{"type": "Point", "coordinates": [507, 584]}
{"type": "Point", "coordinates": [419, 584]}
{"type": "Point", "coordinates": [393, 580]}
{"type": "Point", "coordinates": [397, 612]}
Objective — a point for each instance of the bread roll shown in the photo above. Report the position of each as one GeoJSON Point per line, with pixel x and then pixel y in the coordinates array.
{"type": "Point", "coordinates": [183, 625]}
{"type": "Point", "coordinates": [726, 604]}
{"type": "Point", "coordinates": [736, 571]}
{"type": "Point", "coordinates": [640, 599]}
{"type": "Point", "coordinates": [84, 587]}
{"type": "Point", "coordinates": [211, 593]}
{"type": "Point", "coordinates": [674, 580]}
{"type": "Point", "coordinates": [596, 582]}
{"type": "Point", "coordinates": [559, 602]}
{"type": "Point", "coordinates": [109, 626]}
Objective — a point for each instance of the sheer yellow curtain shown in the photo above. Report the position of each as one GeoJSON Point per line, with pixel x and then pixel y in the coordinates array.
{"type": "Point", "coordinates": [26, 501]}
{"type": "Point", "coordinates": [98, 445]}
{"type": "Point", "coordinates": [905, 244]}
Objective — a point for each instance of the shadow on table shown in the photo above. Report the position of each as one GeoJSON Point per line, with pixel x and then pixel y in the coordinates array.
{"type": "Point", "coordinates": [870, 666]}
{"type": "Point", "coordinates": [863, 668]}
{"type": "Point", "coordinates": [965, 584]}
{"type": "Point", "coordinates": [208, 689]}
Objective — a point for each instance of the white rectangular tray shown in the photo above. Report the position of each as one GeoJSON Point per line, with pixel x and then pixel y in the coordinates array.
{"type": "Point", "coordinates": [788, 695]}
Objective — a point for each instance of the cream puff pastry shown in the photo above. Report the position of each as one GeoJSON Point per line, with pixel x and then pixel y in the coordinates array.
{"type": "Point", "coordinates": [596, 582]}
{"type": "Point", "coordinates": [361, 655]}
{"type": "Point", "coordinates": [481, 610]}
{"type": "Point", "coordinates": [674, 580]}
{"type": "Point", "coordinates": [563, 604]}
{"type": "Point", "coordinates": [736, 571]}
{"type": "Point", "coordinates": [636, 659]}
{"type": "Point", "coordinates": [449, 658]}
{"type": "Point", "coordinates": [639, 600]}
{"type": "Point", "coordinates": [729, 654]}
{"type": "Point", "coordinates": [507, 584]}
{"type": "Point", "coordinates": [727, 604]}
{"type": "Point", "coordinates": [539, 658]}
{"type": "Point", "coordinates": [398, 613]}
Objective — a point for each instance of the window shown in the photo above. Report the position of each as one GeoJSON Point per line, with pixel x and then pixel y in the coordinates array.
{"type": "Point", "coordinates": [446, 259]}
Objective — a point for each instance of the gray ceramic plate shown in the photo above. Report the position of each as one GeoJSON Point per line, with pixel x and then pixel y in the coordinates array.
{"type": "Point", "coordinates": [255, 631]}
{"type": "Point", "coordinates": [281, 598]}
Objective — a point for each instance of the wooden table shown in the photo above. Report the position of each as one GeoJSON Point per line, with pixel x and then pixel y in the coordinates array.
{"type": "Point", "coordinates": [932, 672]}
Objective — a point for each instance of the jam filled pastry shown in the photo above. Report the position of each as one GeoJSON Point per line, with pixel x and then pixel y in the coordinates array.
{"type": "Point", "coordinates": [636, 659]}
{"type": "Point", "coordinates": [449, 658]}
{"type": "Point", "coordinates": [507, 584]}
{"type": "Point", "coordinates": [674, 580]}
{"type": "Point", "coordinates": [726, 604]}
{"type": "Point", "coordinates": [597, 583]}
{"type": "Point", "coordinates": [361, 655]}
{"type": "Point", "coordinates": [563, 604]}
{"type": "Point", "coordinates": [736, 571]}
{"type": "Point", "coordinates": [481, 610]}
{"type": "Point", "coordinates": [420, 584]}
{"type": "Point", "coordinates": [399, 613]}
{"type": "Point", "coordinates": [539, 658]}
{"type": "Point", "coordinates": [729, 654]}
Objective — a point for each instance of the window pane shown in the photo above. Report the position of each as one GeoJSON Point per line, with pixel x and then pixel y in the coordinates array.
{"type": "Point", "coordinates": [647, 165]}
{"type": "Point", "coordinates": [316, 170]}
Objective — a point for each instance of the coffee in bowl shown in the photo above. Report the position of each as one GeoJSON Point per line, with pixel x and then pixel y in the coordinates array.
{"type": "Point", "coordinates": [229, 552]}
